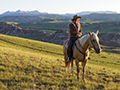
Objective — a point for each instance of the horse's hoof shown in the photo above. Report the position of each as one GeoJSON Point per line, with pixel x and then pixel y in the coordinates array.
{"type": "Point", "coordinates": [66, 70]}
{"type": "Point", "coordinates": [71, 69]}
{"type": "Point", "coordinates": [78, 80]}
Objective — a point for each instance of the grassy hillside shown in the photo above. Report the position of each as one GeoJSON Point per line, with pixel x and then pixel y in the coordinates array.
{"type": "Point", "coordinates": [28, 64]}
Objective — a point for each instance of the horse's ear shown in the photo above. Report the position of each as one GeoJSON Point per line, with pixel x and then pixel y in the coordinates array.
{"type": "Point", "coordinates": [97, 32]}
{"type": "Point", "coordinates": [90, 33]}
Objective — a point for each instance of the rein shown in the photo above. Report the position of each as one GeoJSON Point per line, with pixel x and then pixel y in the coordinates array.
{"type": "Point", "coordinates": [80, 44]}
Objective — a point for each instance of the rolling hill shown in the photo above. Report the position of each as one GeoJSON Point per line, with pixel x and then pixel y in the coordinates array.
{"type": "Point", "coordinates": [102, 17]}
{"type": "Point", "coordinates": [53, 31]}
{"type": "Point", "coordinates": [29, 64]}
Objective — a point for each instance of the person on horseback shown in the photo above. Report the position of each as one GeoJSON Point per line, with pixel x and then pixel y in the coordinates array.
{"type": "Point", "coordinates": [75, 33]}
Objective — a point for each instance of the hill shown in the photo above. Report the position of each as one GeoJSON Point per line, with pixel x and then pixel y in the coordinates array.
{"type": "Point", "coordinates": [87, 25]}
{"type": "Point", "coordinates": [29, 64]}
{"type": "Point", "coordinates": [55, 31]}
{"type": "Point", "coordinates": [102, 17]}
{"type": "Point", "coordinates": [83, 13]}
{"type": "Point", "coordinates": [13, 30]}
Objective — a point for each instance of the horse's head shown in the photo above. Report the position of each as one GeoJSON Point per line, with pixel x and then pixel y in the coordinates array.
{"type": "Point", "coordinates": [94, 42]}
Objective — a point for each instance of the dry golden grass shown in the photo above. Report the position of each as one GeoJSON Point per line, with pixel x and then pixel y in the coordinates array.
{"type": "Point", "coordinates": [32, 65]}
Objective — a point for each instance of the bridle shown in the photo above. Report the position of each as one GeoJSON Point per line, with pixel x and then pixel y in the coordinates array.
{"type": "Point", "coordinates": [93, 44]}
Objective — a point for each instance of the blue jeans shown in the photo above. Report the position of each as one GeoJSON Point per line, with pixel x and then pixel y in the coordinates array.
{"type": "Point", "coordinates": [70, 44]}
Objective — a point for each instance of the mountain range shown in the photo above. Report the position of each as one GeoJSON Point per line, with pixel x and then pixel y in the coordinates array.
{"type": "Point", "coordinates": [26, 16]}
{"type": "Point", "coordinates": [36, 13]}
{"type": "Point", "coordinates": [83, 13]}
{"type": "Point", "coordinates": [24, 13]}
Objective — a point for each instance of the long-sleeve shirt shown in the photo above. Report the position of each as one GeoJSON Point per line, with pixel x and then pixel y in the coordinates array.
{"type": "Point", "coordinates": [73, 29]}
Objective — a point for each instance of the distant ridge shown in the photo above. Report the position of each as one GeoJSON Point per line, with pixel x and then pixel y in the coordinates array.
{"type": "Point", "coordinates": [23, 13]}
{"type": "Point", "coordinates": [102, 17]}
{"type": "Point", "coordinates": [35, 16]}
{"type": "Point", "coordinates": [35, 12]}
{"type": "Point", "coordinates": [90, 12]}
{"type": "Point", "coordinates": [32, 14]}
{"type": "Point", "coordinates": [20, 16]}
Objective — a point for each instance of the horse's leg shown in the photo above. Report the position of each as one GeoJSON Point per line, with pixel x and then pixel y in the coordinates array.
{"type": "Point", "coordinates": [77, 64]}
{"type": "Point", "coordinates": [66, 63]}
{"type": "Point", "coordinates": [83, 76]}
{"type": "Point", "coordinates": [72, 65]}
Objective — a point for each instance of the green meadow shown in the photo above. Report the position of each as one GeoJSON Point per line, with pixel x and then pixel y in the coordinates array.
{"type": "Point", "coordinates": [53, 25]}
{"type": "Point", "coordinates": [33, 65]}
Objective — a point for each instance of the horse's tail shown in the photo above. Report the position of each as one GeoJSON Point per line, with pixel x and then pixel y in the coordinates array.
{"type": "Point", "coordinates": [64, 48]}
{"type": "Point", "coordinates": [65, 55]}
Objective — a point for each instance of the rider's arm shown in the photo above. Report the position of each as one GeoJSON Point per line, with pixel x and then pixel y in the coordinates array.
{"type": "Point", "coordinates": [72, 29]}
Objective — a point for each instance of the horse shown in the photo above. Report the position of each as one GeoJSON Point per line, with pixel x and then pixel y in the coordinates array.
{"type": "Point", "coordinates": [81, 51]}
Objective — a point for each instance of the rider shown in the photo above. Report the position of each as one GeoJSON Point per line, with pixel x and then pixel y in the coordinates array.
{"type": "Point", "coordinates": [75, 33]}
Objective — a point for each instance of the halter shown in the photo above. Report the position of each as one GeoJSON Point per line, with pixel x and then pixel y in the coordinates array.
{"type": "Point", "coordinates": [93, 44]}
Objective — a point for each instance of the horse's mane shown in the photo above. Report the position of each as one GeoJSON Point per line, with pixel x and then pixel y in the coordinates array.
{"type": "Point", "coordinates": [83, 37]}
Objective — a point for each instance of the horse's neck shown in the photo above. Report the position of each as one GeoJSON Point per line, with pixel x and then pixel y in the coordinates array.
{"type": "Point", "coordinates": [84, 42]}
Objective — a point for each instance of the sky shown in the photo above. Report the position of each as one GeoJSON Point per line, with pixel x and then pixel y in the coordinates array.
{"type": "Point", "coordinates": [60, 6]}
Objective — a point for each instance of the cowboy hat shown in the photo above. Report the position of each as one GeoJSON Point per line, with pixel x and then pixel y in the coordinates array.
{"type": "Point", "coordinates": [75, 17]}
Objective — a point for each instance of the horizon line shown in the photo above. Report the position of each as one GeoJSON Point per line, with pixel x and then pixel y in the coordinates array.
{"type": "Point", "coordinates": [60, 13]}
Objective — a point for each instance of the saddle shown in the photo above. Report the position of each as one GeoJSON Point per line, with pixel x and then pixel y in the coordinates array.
{"type": "Point", "coordinates": [70, 48]}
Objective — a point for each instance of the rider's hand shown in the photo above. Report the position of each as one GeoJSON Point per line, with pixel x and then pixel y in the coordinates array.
{"type": "Point", "coordinates": [79, 34]}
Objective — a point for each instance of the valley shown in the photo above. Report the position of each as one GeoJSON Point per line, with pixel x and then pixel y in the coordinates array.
{"type": "Point", "coordinates": [31, 52]}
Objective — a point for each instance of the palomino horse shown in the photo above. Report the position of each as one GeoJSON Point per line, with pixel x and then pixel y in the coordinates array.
{"type": "Point", "coordinates": [81, 51]}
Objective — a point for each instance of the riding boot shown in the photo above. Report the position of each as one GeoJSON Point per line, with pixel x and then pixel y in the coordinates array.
{"type": "Point", "coordinates": [68, 55]}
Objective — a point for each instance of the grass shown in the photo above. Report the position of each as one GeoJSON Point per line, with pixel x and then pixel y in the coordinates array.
{"type": "Point", "coordinates": [32, 65]}
{"type": "Point", "coordinates": [12, 23]}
